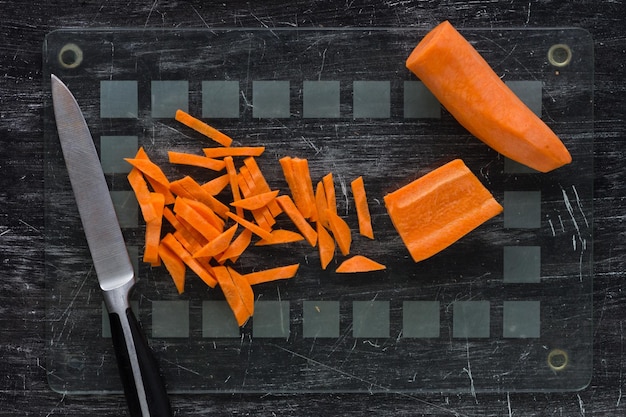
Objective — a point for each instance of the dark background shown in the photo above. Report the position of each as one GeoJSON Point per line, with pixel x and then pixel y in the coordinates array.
{"type": "Point", "coordinates": [23, 387]}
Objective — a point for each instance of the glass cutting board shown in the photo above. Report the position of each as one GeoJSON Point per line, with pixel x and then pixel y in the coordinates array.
{"type": "Point", "coordinates": [507, 308]}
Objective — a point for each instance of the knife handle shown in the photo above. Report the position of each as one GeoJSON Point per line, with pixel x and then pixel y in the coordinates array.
{"type": "Point", "coordinates": [143, 386]}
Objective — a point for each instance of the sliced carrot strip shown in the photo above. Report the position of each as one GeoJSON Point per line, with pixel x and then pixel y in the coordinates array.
{"type": "Point", "coordinates": [234, 182]}
{"type": "Point", "coordinates": [204, 271]}
{"type": "Point", "coordinates": [477, 97]}
{"type": "Point", "coordinates": [207, 213]}
{"type": "Point", "coordinates": [256, 201]}
{"type": "Point", "coordinates": [303, 176]}
{"type": "Point", "coordinates": [201, 127]}
{"type": "Point", "coordinates": [216, 185]}
{"type": "Point", "coordinates": [174, 265]}
{"type": "Point", "coordinates": [273, 274]}
{"type": "Point", "coordinates": [297, 218]}
{"type": "Point", "coordinates": [261, 183]}
{"type": "Point", "coordinates": [329, 189]}
{"type": "Point", "coordinates": [234, 151]}
{"type": "Point", "coordinates": [218, 245]}
{"type": "Point", "coordinates": [188, 187]}
{"type": "Point", "coordinates": [142, 194]}
{"type": "Point", "coordinates": [321, 204]}
{"type": "Point", "coordinates": [238, 294]}
{"type": "Point", "coordinates": [149, 169]}
{"type": "Point", "coordinates": [257, 230]}
{"type": "Point", "coordinates": [341, 231]}
{"type": "Point", "coordinates": [195, 219]}
{"type": "Point", "coordinates": [326, 245]}
{"type": "Point", "coordinates": [237, 247]}
{"type": "Point", "coordinates": [280, 236]}
{"type": "Point", "coordinates": [195, 160]}
{"type": "Point", "coordinates": [157, 186]}
{"type": "Point", "coordinates": [362, 209]}
{"type": "Point", "coordinates": [436, 210]}
{"type": "Point", "coordinates": [153, 231]}
{"type": "Point", "coordinates": [359, 263]}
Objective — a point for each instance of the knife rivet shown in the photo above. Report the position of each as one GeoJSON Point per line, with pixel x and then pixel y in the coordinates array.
{"type": "Point", "coordinates": [70, 56]}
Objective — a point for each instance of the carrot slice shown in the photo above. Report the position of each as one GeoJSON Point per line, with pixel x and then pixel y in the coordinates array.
{"type": "Point", "coordinates": [234, 151]}
{"type": "Point", "coordinates": [195, 219]}
{"type": "Point", "coordinates": [153, 231]}
{"type": "Point", "coordinates": [326, 245]}
{"type": "Point", "coordinates": [204, 271]}
{"type": "Point", "coordinates": [201, 127]}
{"type": "Point", "coordinates": [273, 274]}
{"type": "Point", "coordinates": [206, 212]}
{"type": "Point", "coordinates": [477, 97]}
{"type": "Point", "coordinates": [217, 245]}
{"type": "Point", "coordinates": [142, 194]}
{"type": "Point", "coordinates": [321, 204]}
{"type": "Point", "coordinates": [359, 263]}
{"type": "Point", "coordinates": [257, 230]}
{"type": "Point", "coordinates": [174, 265]}
{"type": "Point", "coordinates": [238, 293]}
{"type": "Point", "coordinates": [303, 175]}
{"type": "Point", "coordinates": [436, 210]}
{"type": "Point", "coordinates": [261, 183]}
{"type": "Point", "coordinates": [280, 236]}
{"type": "Point", "coordinates": [189, 188]}
{"type": "Point", "coordinates": [341, 231]}
{"type": "Point", "coordinates": [149, 169]}
{"type": "Point", "coordinates": [237, 247]}
{"type": "Point", "coordinates": [329, 189]}
{"type": "Point", "coordinates": [158, 187]}
{"type": "Point", "coordinates": [297, 218]}
{"type": "Point", "coordinates": [362, 209]}
{"type": "Point", "coordinates": [216, 185]}
{"type": "Point", "coordinates": [182, 158]}
{"type": "Point", "coordinates": [256, 201]}
{"type": "Point", "coordinates": [234, 182]}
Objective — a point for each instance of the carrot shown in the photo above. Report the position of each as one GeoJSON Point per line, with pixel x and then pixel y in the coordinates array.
{"type": "Point", "coordinates": [174, 265]}
{"type": "Point", "coordinates": [297, 218]}
{"type": "Point", "coordinates": [329, 189]}
{"type": "Point", "coordinates": [280, 236]}
{"type": "Point", "coordinates": [195, 219]}
{"type": "Point", "coordinates": [204, 271]}
{"type": "Point", "coordinates": [201, 127]}
{"type": "Point", "coordinates": [439, 208]}
{"type": "Point", "coordinates": [261, 184]}
{"type": "Point", "coordinates": [321, 204]}
{"type": "Point", "coordinates": [158, 187]}
{"type": "Point", "coordinates": [237, 247]}
{"type": "Point", "coordinates": [238, 293]}
{"type": "Point", "coordinates": [475, 95]}
{"type": "Point", "coordinates": [195, 160]}
{"type": "Point", "coordinates": [149, 169]}
{"type": "Point", "coordinates": [296, 172]}
{"type": "Point", "coordinates": [189, 188]}
{"type": "Point", "coordinates": [234, 151]}
{"type": "Point", "coordinates": [359, 263]}
{"type": "Point", "coordinates": [341, 231]}
{"type": "Point", "coordinates": [234, 182]}
{"type": "Point", "coordinates": [257, 230]}
{"type": "Point", "coordinates": [216, 185]}
{"type": "Point", "coordinates": [142, 194]}
{"type": "Point", "coordinates": [326, 245]}
{"type": "Point", "coordinates": [153, 231]}
{"type": "Point", "coordinates": [256, 201]}
{"type": "Point", "coordinates": [273, 274]}
{"type": "Point", "coordinates": [362, 209]}
{"type": "Point", "coordinates": [217, 245]}
{"type": "Point", "coordinates": [207, 213]}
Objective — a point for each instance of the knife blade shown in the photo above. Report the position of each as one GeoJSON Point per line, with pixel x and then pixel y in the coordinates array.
{"type": "Point", "coordinates": [143, 386]}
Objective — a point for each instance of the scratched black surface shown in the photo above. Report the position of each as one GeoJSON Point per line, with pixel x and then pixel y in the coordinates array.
{"type": "Point", "coordinates": [24, 389]}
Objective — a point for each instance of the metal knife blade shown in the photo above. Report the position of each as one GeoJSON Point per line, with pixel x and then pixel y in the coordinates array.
{"type": "Point", "coordinates": [144, 389]}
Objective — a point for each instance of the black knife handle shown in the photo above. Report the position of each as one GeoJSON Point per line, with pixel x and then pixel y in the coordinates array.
{"type": "Point", "coordinates": [149, 399]}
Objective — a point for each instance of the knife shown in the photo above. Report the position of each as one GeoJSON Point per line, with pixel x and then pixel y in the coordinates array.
{"type": "Point", "coordinates": [143, 386]}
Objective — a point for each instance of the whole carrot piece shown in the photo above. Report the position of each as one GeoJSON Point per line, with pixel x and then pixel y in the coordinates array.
{"type": "Point", "coordinates": [472, 92]}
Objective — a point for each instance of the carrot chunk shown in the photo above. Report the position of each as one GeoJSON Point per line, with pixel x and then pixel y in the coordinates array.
{"type": "Point", "coordinates": [273, 274]}
{"type": "Point", "coordinates": [359, 263]}
{"type": "Point", "coordinates": [181, 158]}
{"type": "Point", "coordinates": [297, 218]}
{"type": "Point", "coordinates": [217, 245]}
{"type": "Point", "coordinates": [436, 210]}
{"type": "Point", "coordinates": [237, 247]}
{"type": "Point", "coordinates": [203, 128]}
{"type": "Point", "coordinates": [477, 97]}
{"type": "Point", "coordinates": [216, 185]}
{"type": "Point", "coordinates": [362, 209]}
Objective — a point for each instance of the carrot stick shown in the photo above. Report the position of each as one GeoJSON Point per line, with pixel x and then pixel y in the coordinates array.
{"type": "Point", "coordinates": [326, 245]}
{"type": "Point", "coordinates": [234, 182]}
{"type": "Point", "coordinates": [297, 218]}
{"type": "Point", "coordinates": [142, 194]}
{"type": "Point", "coordinates": [303, 175]}
{"type": "Point", "coordinates": [329, 189]}
{"type": "Point", "coordinates": [195, 160]}
{"type": "Point", "coordinates": [234, 151]}
{"type": "Point", "coordinates": [238, 294]}
{"type": "Point", "coordinates": [341, 231]}
{"type": "Point", "coordinates": [256, 201]}
{"type": "Point", "coordinates": [216, 185]}
{"type": "Point", "coordinates": [217, 245]}
{"type": "Point", "coordinates": [475, 95]}
{"type": "Point", "coordinates": [149, 169]}
{"type": "Point", "coordinates": [280, 236]}
{"type": "Point", "coordinates": [174, 265]}
{"type": "Point", "coordinates": [208, 214]}
{"type": "Point", "coordinates": [189, 188]}
{"type": "Point", "coordinates": [439, 208]}
{"type": "Point", "coordinates": [195, 219]}
{"type": "Point", "coordinates": [359, 263]}
{"type": "Point", "coordinates": [261, 183]}
{"type": "Point", "coordinates": [321, 204]}
{"type": "Point", "coordinates": [158, 187]}
{"type": "Point", "coordinates": [273, 274]}
{"type": "Point", "coordinates": [201, 127]}
{"type": "Point", "coordinates": [262, 233]}
{"type": "Point", "coordinates": [202, 270]}
{"type": "Point", "coordinates": [237, 247]}
{"type": "Point", "coordinates": [362, 209]}
{"type": "Point", "coordinates": [153, 231]}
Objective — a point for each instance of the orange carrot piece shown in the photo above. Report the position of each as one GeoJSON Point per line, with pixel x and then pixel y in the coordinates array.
{"type": "Point", "coordinates": [218, 245]}
{"type": "Point", "coordinates": [188, 187]}
{"type": "Point", "coordinates": [257, 230]}
{"type": "Point", "coordinates": [256, 201]}
{"type": "Point", "coordinates": [174, 265]}
{"type": "Point", "coordinates": [303, 175]}
{"type": "Point", "coordinates": [234, 151]}
{"type": "Point", "coordinates": [153, 231]}
{"type": "Point", "coordinates": [207, 213]}
{"type": "Point", "coordinates": [321, 204]}
{"type": "Point", "coordinates": [216, 185]}
{"type": "Point", "coordinates": [142, 194]}
{"type": "Point", "coordinates": [439, 208]}
{"type": "Point", "coordinates": [158, 187]}
{"type": "Point", "coordinates": [326, 245]}
{"type": "Point", "coordinates": [341, 231]}
{"type": "Point", "coordinates": [359, 263]}
{"type": "Point", "coordinates": [204, 271]}
{"type": "Point", "coordinates": [195, 219]}
{"type": "Point", "coordinates": [477, 97]}
{"type": "Point", "coordinates": [297, 218]}
{"type": "Point", "coordinates": [286, 163]}
{"type": "Point", "coordinates": [181, 158]}
{"type": "Point", "coordinates": [203, 128]}
{"type": "Point", "coordinates": [362, 209]}
{"type": "Point", "coordinates": [234, 182]}
{"type": "Point", "coordinates": [280, 236]}
{"type": "Point", "coordinates": [273, 274]}
{"type": "Point", "coordinates": [261, 183]}
{"type": "Point", "coordinates": [329, 189]}
{"type": "Point", "coordinates": [237, 247]}
{"type": "Point", "coordinates": [239, 296]}
{"type": "Point", "coordinates": [149, 169]}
